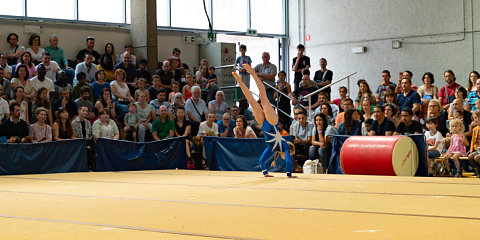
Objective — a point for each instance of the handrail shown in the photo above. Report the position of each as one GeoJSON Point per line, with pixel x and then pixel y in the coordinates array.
{"type": "Point", "coordinates": [278, 90]}
{"type": "Point", "coordinates": [288, 114]}
{"type": "Point", "coordinates": [225, 66]}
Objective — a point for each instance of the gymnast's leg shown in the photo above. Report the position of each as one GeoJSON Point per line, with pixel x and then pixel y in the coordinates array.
{"type": "Point", "coordinates": [262, 162]}
{"type": "Point", "coordinates": [256, 109]}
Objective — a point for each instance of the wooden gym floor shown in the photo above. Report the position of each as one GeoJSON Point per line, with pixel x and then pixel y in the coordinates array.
{"type": "Point", "coordinates": [182, 204]}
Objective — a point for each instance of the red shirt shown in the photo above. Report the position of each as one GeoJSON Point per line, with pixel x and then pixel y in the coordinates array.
{"type": "Point", "coordinates": [450, 90]}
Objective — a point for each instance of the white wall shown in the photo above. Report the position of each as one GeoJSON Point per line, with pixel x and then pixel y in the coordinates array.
{"type": "Point", "coordinates": [436, 35]}
{"type": "Point", "coordinates": [72, 38]}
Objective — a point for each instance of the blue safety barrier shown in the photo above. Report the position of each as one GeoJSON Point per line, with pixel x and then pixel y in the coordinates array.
{"type": "Point", "coordinates": [49, 157]}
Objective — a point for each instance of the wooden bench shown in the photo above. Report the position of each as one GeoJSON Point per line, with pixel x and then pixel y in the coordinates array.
{"type": "Point", "coordinates": [442, 164]}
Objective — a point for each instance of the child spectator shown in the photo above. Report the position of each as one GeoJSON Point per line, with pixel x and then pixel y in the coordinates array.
{"type": "Point", "coordinates": [142, 89]}
{"type": "Point", "coordinates": [474, 157]}
{"type": "Point", "coordinates": [434, 143]}
{"type": "Point", "coordinates": [153, 90]}
{"type": "Point", "coordinates": [457, 147]}
{"type": "Point", "coordinates": [243, 59]}
{"type": "Point", "coordinates": [132, 120]}
{"type": "Point", "coordinates": [142, 71]}
{"type": "Point", "coordinates": [175, 90]}
{"type": "Point", "coordinates": [368, 126]}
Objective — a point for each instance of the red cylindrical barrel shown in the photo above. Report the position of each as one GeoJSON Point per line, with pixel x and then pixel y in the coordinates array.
{"type": "Point", "coordinates": [379, 155]}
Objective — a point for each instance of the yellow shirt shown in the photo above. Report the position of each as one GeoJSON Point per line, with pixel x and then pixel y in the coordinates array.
{"type": "Point", "coordinates": [108, 74]}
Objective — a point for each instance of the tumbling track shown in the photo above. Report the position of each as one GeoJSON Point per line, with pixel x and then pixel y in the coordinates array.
{"type": "Point", "coordinates": [182, 204]}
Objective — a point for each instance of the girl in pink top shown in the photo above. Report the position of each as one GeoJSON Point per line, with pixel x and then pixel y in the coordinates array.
{"type": "Point", "coordinates": [457, 146]}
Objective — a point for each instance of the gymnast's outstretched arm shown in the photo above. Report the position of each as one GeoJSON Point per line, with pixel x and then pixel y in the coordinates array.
{"type": "Point", "coordinates": [268, 110]}
{"type": "Point", "coordinates": [256, 109]}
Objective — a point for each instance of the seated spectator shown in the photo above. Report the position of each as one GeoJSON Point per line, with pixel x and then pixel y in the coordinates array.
{"type": "Point", "coordinates": [6, 86]}
{"type": "Point", "coordinates": [82, 128]}
{"type": "Point", "coordinates": [281, 127]}
{"type": "Point", "coordinates": [166, 76]}
{"type": "Point", "coordinates": [323, 98]}
{"type": "Point", "coordinates": [208, 127]}
{"type": "Point", "coordinates": [175, 90]}
{"type": "Point", "coordinates": [106, 64]}
{"type": "Point", "coordinates": [428, 91]}
{"type": "Point", "coordinates": [176, 54]}
{"type": "Point", "coordinates": [89, 51]}
{"type": "Point", "coordinates": [21, 79]}
{"type": "Point", "coordinates": [474, 156]}
{"type": "Point", "coordinates": [132, 121]}
{"type": "Point", "coordinates": [6, 68]}
{"type": "Point", "coordinates": [176, 105]}
{"type": "Point", "coordinates": [147, 115]}
{"type": "Point", "coordinates": [302, 133]}
{"type": "Point", "coordinates": [305, 89]}
{"type": "Point", "coordinates": [62, 83]}
{"type": "Point", "coordinates": [14, 126]}
{"type": "Point", "coordinates": [4, 110]}
{"type": "Point", "coordinates": [434, 143]}
{"type": "Point", "coordinates": [163, 127]}
{"type": "Point", "coordinates": [187, 89]}
{"type": "Point", "coordinates": [457, 147]}
{"type": "Point", "coordinates": [156, 103]}
{"type": "Point", "coordinates": [352, 125]}
{"type": "Point", "coordinates": [62, 127]}
{"type": "Point", "coordinates": [458, 105]}
{"type": "Point", "coordinates": [76, 92]}
{"type": "Point", "coordinates": [40, 131]}
{"type": "Point", "coordinates": [342, 91]}
{"type": "Point", "coordinates": [87, 67]}
{"type": "Point", "coordinates": [390, 97]}
{"type": "Point", "coordinates": [196, 109]}
{"type": "Point", "coordinates": [41, 100]}
{"type": "Point", "coordinates": [104, 127]}
{"type": "Point", "coordinates": [142, 72]}
{"type": "Point", "coordinates": [320, 132]}
{"type": "Point", "coordinates": [26, 60]}
{"type": "Point", "coordinates": [226, 125]}
{"type": "Point", "coordinates": [142, 89]}
{"type": "Point", "coordinates": [381, 126]}
{"type": "Point", "coordinates": [64, 102]}
{"type": "Point", "coordinates": [35, 50]}
{"type": "Point", "coordinates": [84, 100]}
{"type": "Point", "coordinates": [460, 93]}
{"type": "Point", "coordinates": [408, 97]}
{"type": "Point", "coordinates": [121, 94]}
{"type": "Point", "coordinates": [58, 56]}
{"type": "Point", "coordinates": [14, 51]}
{"type": "Point", "coordinates": [153, 90]}
{"type": "Point", "coordinates": [182, 129]}
{"type": "Point", "coordinates": [51, 67]}
{"type": "Point", "coordinates": [110, 50]}
{"type": "Point", "coordinates": [384, 87]}
{"type": "Point", "coordinates": [211, 85]}
{"type": "Point", "coordinates": [129, 68]}
{"type": "Point", "coordinates": [129, 49]}
{"type": "Point", "coordinates": [218, 106]}
{"type": "Point", "coordinates": [175, 70]}
{"type": "Point", "coordinates": [363, 88]}
{"type": "Point", "coordinates": [242, 130]}
{"type": "Point", "coordinates": [99, 84]}
{"type": "Point", "coordinates": [446, 94]}
{"type": "Point", "coordinates": [474, 95]}
{"type": "Point", "coordinates": [326, 109]}
{"type": "Point", "coordinates": [346, 104]}
{"type": "Point", "coordinates": [408, 125]}
{"type": "Point", "coordinates": [24, 106]}
{"type": "Point", "coordinates": [105, 101]}
{"type": "Point", "coordinates": [41, 81]}
{"type": "Point", "coordinates": [234, 112]}
{"type": "Point", "coordinates": [246, 112]}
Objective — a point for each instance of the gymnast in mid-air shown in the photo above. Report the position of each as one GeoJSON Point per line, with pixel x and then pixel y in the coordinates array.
{"type": "Point", "coordinates": [267, 118]}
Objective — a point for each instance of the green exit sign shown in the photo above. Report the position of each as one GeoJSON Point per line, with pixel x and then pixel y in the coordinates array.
{"type": "Point", "coordinates": [252, 32]}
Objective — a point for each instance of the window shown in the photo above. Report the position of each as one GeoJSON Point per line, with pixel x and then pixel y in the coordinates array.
{"type": "Point", "coordinates": [230, 15]}
{"type": "Point", "coordinates": [189, 14]}
{"type": "Point", "coordinates": [12, 7]}
{"type": "Point", "coordinates": [101, 11]}
{"type": "Point", "coordinates": [267, 16]}
{"type": "Point", "coordinates": [59, 9]}
{"type": "Point", "coordinates": [128, 12]}
{"type": "Point", "coordinates": [163, 14]}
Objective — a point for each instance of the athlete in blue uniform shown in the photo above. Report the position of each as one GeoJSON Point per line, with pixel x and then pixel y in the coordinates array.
{"type": "Point", "coordinates": [268, 119]}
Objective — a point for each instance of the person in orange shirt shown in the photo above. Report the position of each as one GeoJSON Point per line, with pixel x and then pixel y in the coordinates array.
{"type": "Point", "coordinates": [474, 156]}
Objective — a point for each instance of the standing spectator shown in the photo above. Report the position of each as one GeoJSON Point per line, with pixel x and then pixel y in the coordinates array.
{"type": "Point", "coordinates": [243, 59]}
{"type": "Point", "coordinates": [218, 106]}
{"type": "Point", "coordinates": [89, 50]}
{"type": "Point", "coordinates": [352, 125]}
{"type": "Point", "coordinates": [242, 130]}
{"type": "Point", "coordinates": [104, 127]}
{"type": "Point", "coordinates": [267, 71]}
{"type": "Point", "coordinates": [21, 79]}
{"type": "Point", "coordinates": [41, 100]}
{"type": "Point", "coordinates": [35, 50]}
{"type": "Point", "coordinates": [82, 128]}
{"type": "Point", "coordinates": [381, 126]}
{"type": "Point", "coordinates": [6, 85]}
{"type": "Point", "coordinates": [24, 109]}
{"type": "Point", "coordinates": [226, 125]}
{"type": "Point", "coordinates": [300, 62]}
{"type": "Point", "coordinates": [163, 127]}
{"type": "Point", "coordinates": [64, 102]}
{"type": "Point", "coordinates": [4, 110]}
{"type": "Point", "coordinates": [14, 51]}
{"type": "Point", "coordinates": [62, 127]}
{"type": "Point", "coordinates": [58, 56]}
{"type": "Point", "coordinates": [110, 50]}
{"type": "Point", "coordinates": [142, 72]}
{"type": "Point", "coordinates": [446, 94]}
{"type": "Point", "coordinates": [99, 84]}
{"type": "Point", "coordinates": [41, 131]}
{"type": "Point", "coordinates": [284, 102]}
{"type": "Point", "coordinates": [7, 69]}
{"type": "Point", "coordinates": [26, 60]}
{"type": "Point", "coordinates": [408, 125]}
{"type": "Point", "coordinates": [146, 113]}
{"type": "Point", "coordinates": [87, 67]}
{"type": "Point", "coordinates": [41, 81]}
{"type": "Point", "coordinates": [129, 49]}
{"type": "Point", "coordinates": [14, 126]}
{"type": "Point", "coordinates": [106, 64]}
{"type": "Point", "coordinates": [51, 66]}
{"type": "Point", "coordinates": [196, 109]}
{"type": "Point", "coordinates": [323, 77]}
{"type": "Point", "coordinates": [129, 68]}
